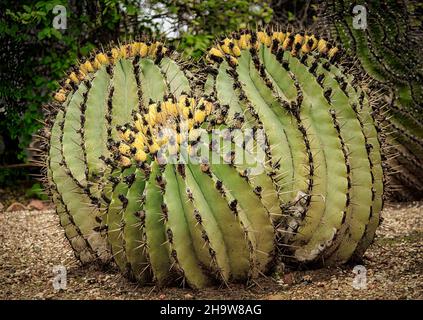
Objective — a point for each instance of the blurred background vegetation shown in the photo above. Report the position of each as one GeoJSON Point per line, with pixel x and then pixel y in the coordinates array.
{"type": "Point", "coordinates": [35, 56]}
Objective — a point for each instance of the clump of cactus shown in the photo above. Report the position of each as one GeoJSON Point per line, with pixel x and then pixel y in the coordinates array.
{"type": "Point", "coordinates": [180, 208]}
{"type": "Point", "coordinates": [388, 49]}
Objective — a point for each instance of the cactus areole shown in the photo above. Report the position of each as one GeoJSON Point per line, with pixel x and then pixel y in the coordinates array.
{"type": "Point", "coordinates": [210, 173]}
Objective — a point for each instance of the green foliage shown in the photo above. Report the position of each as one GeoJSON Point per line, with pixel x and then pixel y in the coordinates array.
{"type": "Point", "coordinates": [9, 176]}
{"type": "Point", "coordinates": [36, 191]}
{"type": "Point", "coordinates": [299, 13]}
{"type": "Point", "coordinates": [196, 23]}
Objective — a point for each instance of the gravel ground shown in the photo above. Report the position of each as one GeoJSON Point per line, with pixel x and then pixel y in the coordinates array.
{"type": "Point", "coordinates": [32, 242]}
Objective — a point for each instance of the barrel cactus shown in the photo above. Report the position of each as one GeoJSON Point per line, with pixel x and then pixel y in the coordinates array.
{"type": "Point", "coordinates": [98, 95]}
{"type": "Point", "coordinates": [324, 153]}
{"type": "Point", "coordinates": [144, 168]}
{"type": "Point", "coordinates": [388, 49]}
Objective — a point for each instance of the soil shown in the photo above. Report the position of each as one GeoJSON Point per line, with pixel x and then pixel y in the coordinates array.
{"type": "Point", "coordinates": [32, 243]}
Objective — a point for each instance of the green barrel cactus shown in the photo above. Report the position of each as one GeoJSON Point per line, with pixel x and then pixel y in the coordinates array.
{"type": "Point", "coordinates": [388, 48]}
{"type": "Point", "coordinates": [144, 170]}
{"type": "Point", "coordinates": [97, 96]}
{"type": "Point", "coordinates": [323, 149]}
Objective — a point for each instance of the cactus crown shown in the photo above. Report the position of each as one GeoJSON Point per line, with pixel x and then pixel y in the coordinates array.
{"type": "Point", "coordinates": [154, 50]}
{"type": "Point", "coordinates": [295, 43]}
{"type": "Point", "coordinates": [161, 126]}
